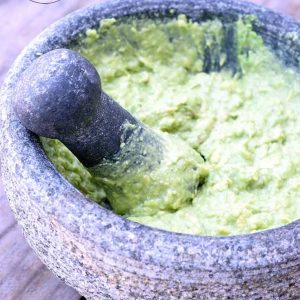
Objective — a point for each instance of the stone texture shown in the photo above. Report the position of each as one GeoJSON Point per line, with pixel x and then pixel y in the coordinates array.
{"type": "Point", "coordinates": [60, 96]}
{"type": "Point", "coordinates": [101, 254]}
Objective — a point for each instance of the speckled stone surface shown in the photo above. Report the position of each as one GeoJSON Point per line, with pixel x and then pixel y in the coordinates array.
{"type": "Point", "coordinates": [104, 256]}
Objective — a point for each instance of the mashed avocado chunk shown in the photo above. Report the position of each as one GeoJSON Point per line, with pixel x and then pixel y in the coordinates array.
{"type": "Point", "coordinates": [153, 171]}
{"type": "Point", "coordinates": [234, 103]}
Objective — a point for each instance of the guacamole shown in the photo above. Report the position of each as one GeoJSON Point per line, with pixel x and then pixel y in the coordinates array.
{"type": "Point", "coordinates": [236, 106]}
{"type": "Point", "coordinates": [168, 167]}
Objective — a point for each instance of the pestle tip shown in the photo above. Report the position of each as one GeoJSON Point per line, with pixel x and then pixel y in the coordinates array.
{"type": "Point", "coordinates": [58, 94]}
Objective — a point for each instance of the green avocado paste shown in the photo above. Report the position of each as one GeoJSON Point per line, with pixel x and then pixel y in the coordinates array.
{"type": "Point", "coordinates": [236, 106]}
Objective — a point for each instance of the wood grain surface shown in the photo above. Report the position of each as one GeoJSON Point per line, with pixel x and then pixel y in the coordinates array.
{"type": "Point", "coordinates": [22, 275]}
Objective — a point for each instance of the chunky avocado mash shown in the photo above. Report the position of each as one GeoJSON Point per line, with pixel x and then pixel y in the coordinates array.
{"type": "Point", "coordinates": [166, 166]}
{"type": "Point", "coordinates": [239, 107]}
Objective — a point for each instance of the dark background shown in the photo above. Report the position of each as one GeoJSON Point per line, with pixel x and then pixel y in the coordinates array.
{"type": "Point", "coordinates": [22, 275]}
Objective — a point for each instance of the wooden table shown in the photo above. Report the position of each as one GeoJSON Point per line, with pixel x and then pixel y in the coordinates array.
{"type": "Point", "coordinates": [22, 275]}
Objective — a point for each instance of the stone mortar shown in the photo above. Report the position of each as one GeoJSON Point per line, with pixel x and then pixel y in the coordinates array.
{"type": "Point", "coordinates": [104, 256]}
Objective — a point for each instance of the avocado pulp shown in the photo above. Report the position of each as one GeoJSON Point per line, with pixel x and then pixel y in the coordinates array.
{"type": "Point", "coordinates": [218, 88]}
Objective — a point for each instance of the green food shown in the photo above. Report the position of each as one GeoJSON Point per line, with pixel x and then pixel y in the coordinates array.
{"type": "Point", "coordinates": [240, 112]}
{"type": "Point", "coordinates": [166, 166]}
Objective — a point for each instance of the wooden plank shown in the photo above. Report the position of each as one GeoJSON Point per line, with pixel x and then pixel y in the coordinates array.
{"type": "Point", "coordinates": [288, 7]}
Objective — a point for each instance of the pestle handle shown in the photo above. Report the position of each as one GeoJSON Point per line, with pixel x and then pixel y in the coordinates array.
{"type": "Point", "coordinates": [59, 96]}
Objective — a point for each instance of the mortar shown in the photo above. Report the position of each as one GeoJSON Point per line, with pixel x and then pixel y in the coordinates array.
{"type": "Point", "coordinates": [101, 254]}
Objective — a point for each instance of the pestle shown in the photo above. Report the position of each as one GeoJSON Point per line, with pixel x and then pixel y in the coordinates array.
{"type": "Point", "coordinates": [59, 96]}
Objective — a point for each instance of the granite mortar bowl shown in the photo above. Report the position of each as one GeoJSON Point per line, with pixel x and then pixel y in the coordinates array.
{"type": "Point", "coordinates": [104, 256]}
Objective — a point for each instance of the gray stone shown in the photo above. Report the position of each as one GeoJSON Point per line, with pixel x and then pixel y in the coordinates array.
{"type": "Point", "coordinates": [59, 96]}
{"type": "Point", "coordinates": [104, 256]}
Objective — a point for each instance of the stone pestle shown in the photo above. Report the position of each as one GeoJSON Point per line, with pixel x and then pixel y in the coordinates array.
{"type": "Point", "coordinates": [59, 96]}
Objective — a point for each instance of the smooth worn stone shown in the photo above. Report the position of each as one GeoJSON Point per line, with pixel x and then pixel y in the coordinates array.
{"type": "Point", "coordinates": [59, 96]}
{"type": "Point", "coordinates": [101, 254]}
